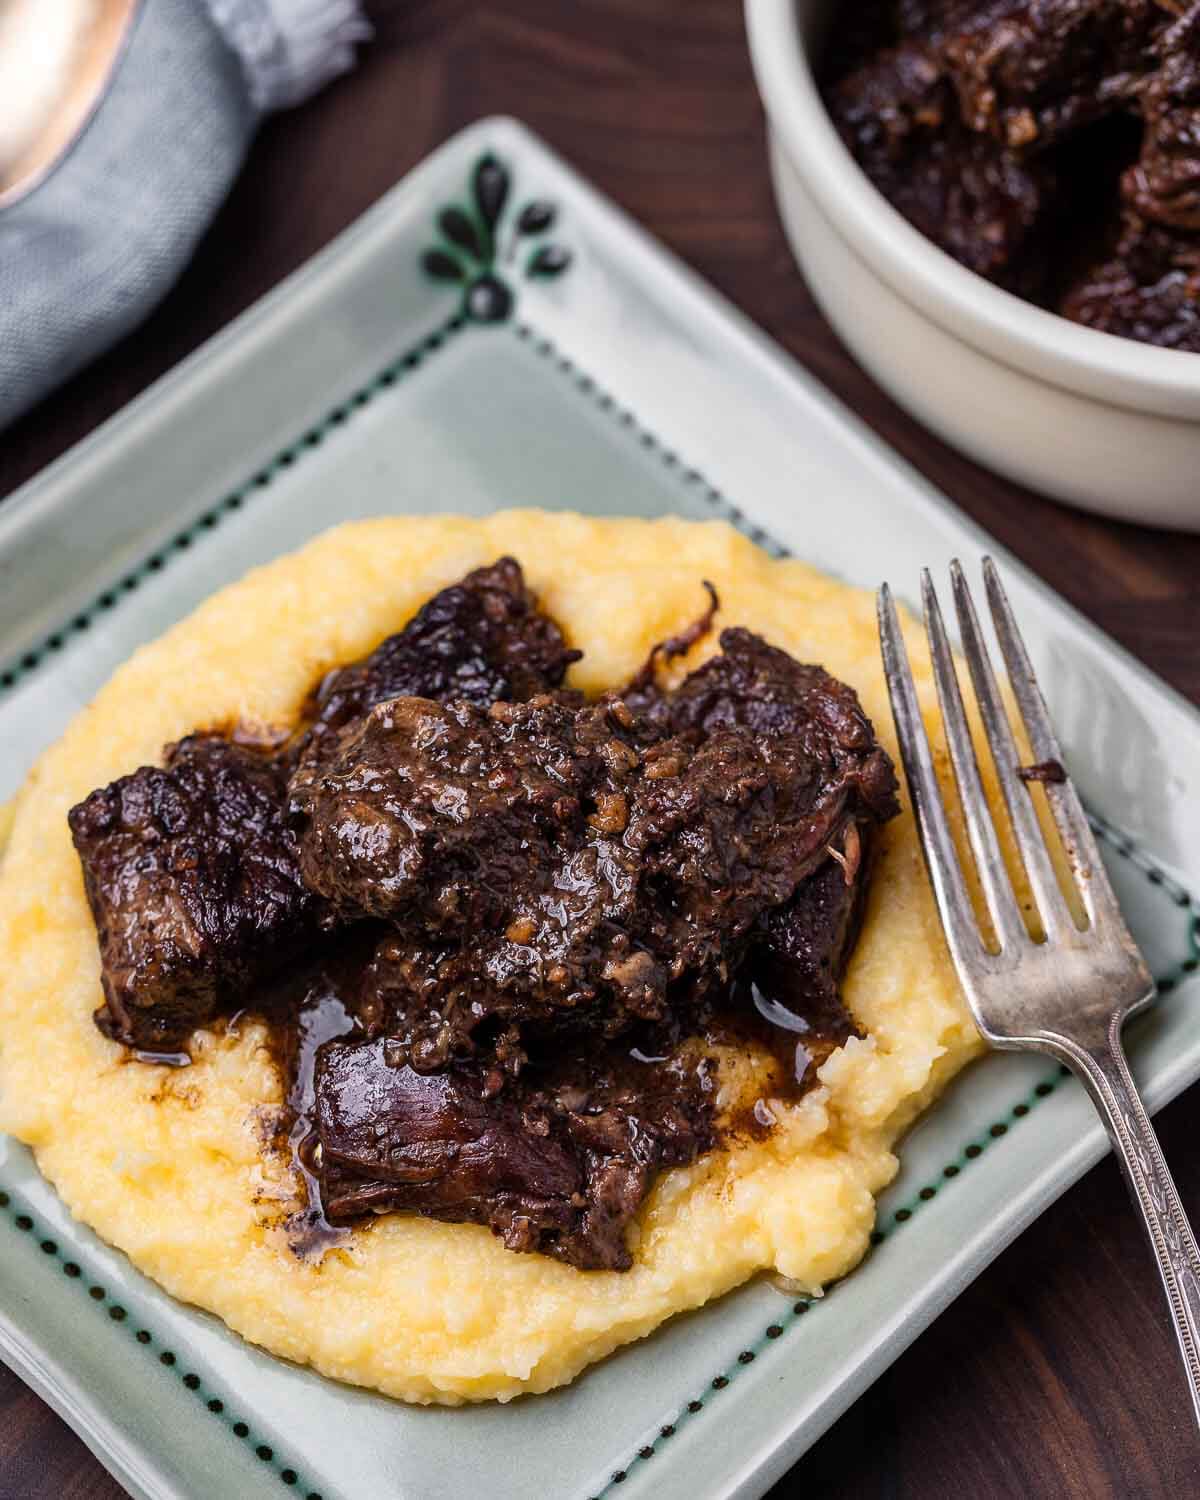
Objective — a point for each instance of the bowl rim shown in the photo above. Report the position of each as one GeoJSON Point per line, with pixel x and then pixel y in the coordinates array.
{"type": "Point", "coordinates": [1112, 369]}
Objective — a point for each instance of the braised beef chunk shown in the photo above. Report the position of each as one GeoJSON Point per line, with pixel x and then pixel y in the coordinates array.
{"type": "Point", "coordinates": [194, 883]}
{"type": "Point", "coordinates": [799, 949]}
{"type": "Point", "coordinates": [421, 804]}
{"type": "Point", "coordinates": [479, 641]}
{"type": "Point", "coordinates": [1147, 285]}
{"type": "Point", "coordinates": [1148, 288]}
{"type": "Point", "coordinates": [965, 191]}
{"type": "Point", "coordinates": [561, 868]}
{"type": "Point", "coordinates": [1031, 71]}
{"type": "Point", "coordinates": [406, 1140]}
{"type": "Point", "coordinates": [1051, 145]}
{"type": "Point", "coordinates": [1163, 187]}
{"type": "Point", "coordinates": [799, 952]}
{"type": "Point", "coordinates": [753, 685]}
{"type": "Point", "coordinates": [1024, 72]}
{"type": "Point", "coordinates": [559, 1164]}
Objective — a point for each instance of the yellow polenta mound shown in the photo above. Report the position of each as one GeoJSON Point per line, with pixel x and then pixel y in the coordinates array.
{"type": "Point", "coordinates": [169, 1165]}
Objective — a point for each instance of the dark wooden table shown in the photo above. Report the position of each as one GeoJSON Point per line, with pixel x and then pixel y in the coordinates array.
{"type": "Point", "coordinates": [1053, 1374]}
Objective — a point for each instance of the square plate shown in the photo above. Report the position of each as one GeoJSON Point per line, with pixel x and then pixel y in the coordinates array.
{"type": "Point", "coordinates": [592, 371]}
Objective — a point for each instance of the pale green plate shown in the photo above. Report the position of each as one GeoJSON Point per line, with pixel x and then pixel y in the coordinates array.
{"type": "Point", "coordinates": [611, 381]}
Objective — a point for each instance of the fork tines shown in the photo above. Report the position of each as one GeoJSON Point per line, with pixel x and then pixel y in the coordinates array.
{"type": "Point", "coordinates": [950, 889]}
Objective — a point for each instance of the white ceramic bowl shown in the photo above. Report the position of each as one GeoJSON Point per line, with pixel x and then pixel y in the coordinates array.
{"type": "Point", "coordinates": [1101, 422]}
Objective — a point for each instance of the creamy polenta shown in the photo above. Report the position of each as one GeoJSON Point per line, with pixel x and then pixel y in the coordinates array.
{"type": "Point", "coordinates": [176, 1167]}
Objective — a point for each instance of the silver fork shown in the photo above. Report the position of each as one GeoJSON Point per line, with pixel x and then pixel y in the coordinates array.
{"type": "Point", "coordinates": [1071, 994]}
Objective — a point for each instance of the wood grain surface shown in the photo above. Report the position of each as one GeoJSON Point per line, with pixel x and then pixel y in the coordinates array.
{"type": "Point", "coordinates": [1052, 1375]}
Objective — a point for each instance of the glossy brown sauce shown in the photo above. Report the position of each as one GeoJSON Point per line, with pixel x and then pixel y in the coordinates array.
{"type": "Point", "coordinates": [318, 1001]}
{"type": "Point", "coordinates": [311, 1006]}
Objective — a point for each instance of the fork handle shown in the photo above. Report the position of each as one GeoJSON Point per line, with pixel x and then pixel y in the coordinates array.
{"type": "Point", "coordinates": [1105, 1074]}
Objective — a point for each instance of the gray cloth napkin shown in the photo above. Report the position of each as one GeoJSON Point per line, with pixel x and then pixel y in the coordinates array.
{"type": "Point", "coordinates": [89, 250]}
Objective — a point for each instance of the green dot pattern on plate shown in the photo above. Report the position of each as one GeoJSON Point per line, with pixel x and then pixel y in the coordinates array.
{"type": "Point", "coordinates": [25, 1224]}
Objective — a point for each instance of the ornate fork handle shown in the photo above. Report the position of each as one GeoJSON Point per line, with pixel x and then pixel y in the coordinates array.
{"type": "Point", "coordinates": [1069, 994]}
{"type": "Point", "coordinates": [1103, 1071]}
